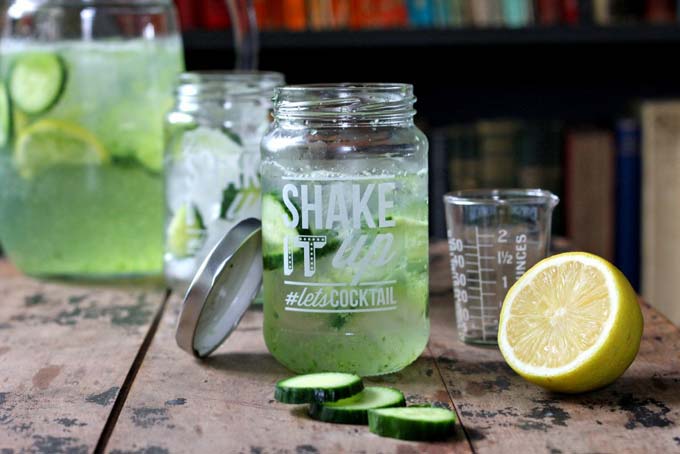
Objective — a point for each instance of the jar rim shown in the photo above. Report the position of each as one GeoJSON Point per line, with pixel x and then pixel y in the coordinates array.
{"type": "Point", "coordinates": [502, 197]}
{"type": "Point", "coordinates": [236, 83]}
{"type": "Point", "coordinates": [389, 102]}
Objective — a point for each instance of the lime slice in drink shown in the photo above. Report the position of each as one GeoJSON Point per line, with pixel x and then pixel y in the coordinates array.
{"type": "Point", "coordinates": [48, 143]}
{"type": "Point", "coordinates": [209, 140]}
{"type": "Point", "coordinates": [185, 232]}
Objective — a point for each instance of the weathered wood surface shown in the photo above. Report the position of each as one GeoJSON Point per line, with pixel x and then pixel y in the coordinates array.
{"type": "Point", "coordinates": [65, 351]}
{"type": "Point", "coordinates": [501, 412]}
{"type": "Point", "coordinates": [225, 404]}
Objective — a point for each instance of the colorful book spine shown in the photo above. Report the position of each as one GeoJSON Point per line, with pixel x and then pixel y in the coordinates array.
{"type": "Point", "coordinates": [548, 12]}
{"type": "Point", "coordinates": [570, 12]}
{"type": "Point", "coordinates": [589, 190]}
{"type": "Point", "coordinates": [628, 190]}
{"type": "Point", "coordinates": [517, 13]}
{"type": "Point", "coordinates": [420, 12]}
{"type": "Point", "coordinates": [602, 12]}
{"type": "Point", "coordinates": [294, 15]}
{"type": "Point", "coordinates": [187, 12]}
{"type": "Point", "coordinates": [659, 11]}
{"type": "Point", "coordinates": [214, 14]}
{"type": "Point", "coordinates": [442, 12]}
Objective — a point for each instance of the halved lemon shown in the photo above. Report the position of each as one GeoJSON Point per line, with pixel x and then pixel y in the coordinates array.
{"type": "Point", "coordinates": [572, 323]}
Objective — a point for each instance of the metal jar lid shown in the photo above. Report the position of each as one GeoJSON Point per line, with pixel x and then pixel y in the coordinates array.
{"type": "Point", "coordinates": [226, 283]}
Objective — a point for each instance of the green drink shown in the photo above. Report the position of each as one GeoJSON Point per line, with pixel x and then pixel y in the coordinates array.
{"type": "Point", "coordinates": [81, 186]}
{"type": "Point", "coordinates": [355, 297]}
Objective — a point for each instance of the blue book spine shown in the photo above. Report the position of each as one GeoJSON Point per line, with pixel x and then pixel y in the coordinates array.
{"type": "Point", "coordinates": [420, 12]}
{"type": "Point", "coordinates": [628, 188]}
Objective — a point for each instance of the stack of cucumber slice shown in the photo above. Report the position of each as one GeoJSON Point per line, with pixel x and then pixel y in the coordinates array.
{"type": "Point", "coordinates": [342, 398]}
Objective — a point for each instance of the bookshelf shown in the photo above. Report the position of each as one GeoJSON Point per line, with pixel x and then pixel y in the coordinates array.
{"type": "Point", "coordinates": [583, 73]}
{"type": "Point", "coordinates": [220, 40]}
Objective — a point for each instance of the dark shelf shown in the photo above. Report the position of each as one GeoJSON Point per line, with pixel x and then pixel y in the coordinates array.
{"type": "Point", "coordinates": [220, 40]}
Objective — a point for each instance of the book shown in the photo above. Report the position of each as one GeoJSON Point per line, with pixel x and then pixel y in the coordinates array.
{"type": "Point", "coordinates": [659, 11]}
{"type": "Point", "coordinates": [361, 14]}
{"type": "Point", "coordinates": [464, 165]}
{"type": "Point", "coordinates": [602, 12]}
{"type": "Point", "coordinates": [457, 17]}
{"type": "Point", "coordinates": [320, 14]}
{"type": "Point", "coordinates": [548, 12]}
{"type": "Point", "coordinates": [214, 14]}
{"type": "Point", "coordinates": [570, 12]}
{"type": "Point", "coordinates": [442, 11]}
{"type": "Point", "coordinates": [628, 188]}
{"type": "Point", "coordinates": [517, 13]}
{"type": "Point", "coordinates": [589, 190]}
{"type": "Point", "coordinates": [187, 12]}
{"type": "Point", "coordinates": [497, 141]}
{"type": "Point", "coordinates": [420, 12]}
{"type": "Point", "coordinates": [660, 220]}
{"type": "Point", "coordinates": [539, 162]}
{"type": "Point", "coordinates": [586, 12]}
{"type": "Point", "coordinates": [390, 13]}
{"type": "Point", "coordinates": [341, 13]}
{"type": "Point", "coordinates": [294, 15]}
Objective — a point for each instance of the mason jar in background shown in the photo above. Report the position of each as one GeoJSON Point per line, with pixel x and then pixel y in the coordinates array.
{"type": "Point", "coordinates": [84, 88]}
{"type": "Point", "coordinates": [212, 162]}
{"type": "Point", "coordinates": [345, 229]}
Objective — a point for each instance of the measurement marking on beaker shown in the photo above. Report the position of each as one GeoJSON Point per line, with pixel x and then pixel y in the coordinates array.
{"type": "Point", "coordinates": [479, 266]}
{"type": "Point", "coordinates": [488, 294]}
{"type": "Point", "coordinates": [486, 269]}
{"type": "Point", "coordinates": [487, 257]}
{"type": "Point", "coordinates": [484, 245]}
{"type": "Point", "coordinates": [485, 235]}
{"type": "Point", "coordinates": [470, 247]}
{"type": "Point", "coordinates": [471, 255]}
{"type": "Point", "coordinates": [486, 282]}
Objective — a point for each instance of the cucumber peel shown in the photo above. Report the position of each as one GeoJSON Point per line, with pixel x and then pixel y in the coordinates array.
{"type": "Point", "coordinates": [319, 387]}
{"type": "Point", "coordinates": [412, 423]}
{"type": "Point", "coordinates": [36, 81]}
{"type": "Point", "coordinates": [354, 410]}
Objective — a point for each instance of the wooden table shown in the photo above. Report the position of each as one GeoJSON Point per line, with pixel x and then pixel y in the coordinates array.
{"type": "Point", "coordinates": [92, 368]}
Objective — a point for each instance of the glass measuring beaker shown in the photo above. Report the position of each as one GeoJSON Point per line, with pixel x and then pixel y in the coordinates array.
{"type": "Point", "coordinates": [494, 236]}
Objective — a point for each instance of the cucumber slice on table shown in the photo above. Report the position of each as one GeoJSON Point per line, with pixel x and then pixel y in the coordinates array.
{"type": "Point", "coordinates": [5, 116]}
{"type": "Point", "coordinates": [36, 81]}
{"type": "Point", "coordinates": [412, 423]}
{"type": "Point", "coordinates": [354, 410]}
{"type": "Point", "coordinates": [319, 387]}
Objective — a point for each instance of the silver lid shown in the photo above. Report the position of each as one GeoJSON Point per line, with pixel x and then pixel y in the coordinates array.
{"type": "Point", "coordinates": [224, 286]}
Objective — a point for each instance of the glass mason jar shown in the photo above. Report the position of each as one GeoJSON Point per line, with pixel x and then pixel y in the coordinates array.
{"type": "Point", "coordinates": [85, 87]}
{"type": "Point", "coordinates": [212, 162]}
{"type": "Point", "coordinates": [345, 229]}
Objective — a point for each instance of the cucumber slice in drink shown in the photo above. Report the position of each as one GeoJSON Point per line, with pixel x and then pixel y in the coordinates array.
{"type": "Point", "coordinates": [412, 423]}
{"type": "Point", "coordinates": [5, 116]}
{"type": "Point", "coordinates": [36, 81]}
{"type": "Point", "coordinates": [275, 231]}
{"type": "Point", "coordinates": [319, 387]}
{"type": "Point", "coordinates": [354, 410]}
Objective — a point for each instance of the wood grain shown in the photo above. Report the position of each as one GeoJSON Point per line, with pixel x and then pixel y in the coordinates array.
{"type": "Point", "coordinates": [225, 404]}
{"type": "Point", "coordinates": [65, 350]}
{"type": "Point", "coordinates": [501, 412]}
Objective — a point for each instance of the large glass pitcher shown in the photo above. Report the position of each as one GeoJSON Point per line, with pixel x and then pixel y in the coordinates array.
{"type": "Point", "coordinates": [85, 86]}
